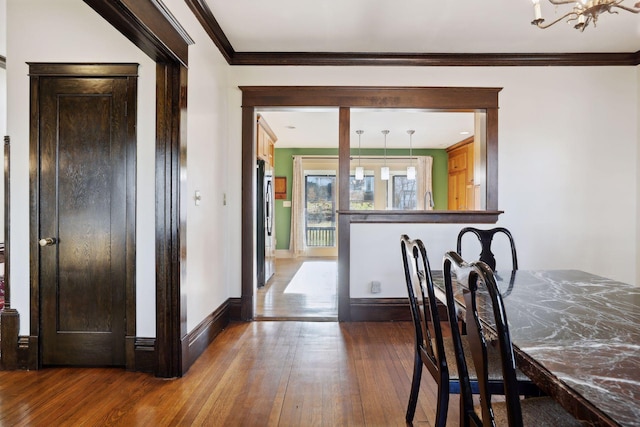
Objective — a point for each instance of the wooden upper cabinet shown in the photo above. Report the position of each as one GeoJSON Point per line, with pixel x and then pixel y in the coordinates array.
{"type": "Point", "coordinates": [462, 189]}
{"type": "Point", "coordinates": [458, 160]}
{"type": "Point", "coordinates": [266, 142]}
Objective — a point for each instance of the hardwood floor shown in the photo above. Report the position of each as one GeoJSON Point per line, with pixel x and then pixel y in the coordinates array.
{"type": "Point", "coordinates": [253, 374]}
{"type": "Point", "coordinates": [300, 289]}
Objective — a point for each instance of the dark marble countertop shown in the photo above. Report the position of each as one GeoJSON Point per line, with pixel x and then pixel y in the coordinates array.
{"type": "Point", "coordinates": [584, 330]}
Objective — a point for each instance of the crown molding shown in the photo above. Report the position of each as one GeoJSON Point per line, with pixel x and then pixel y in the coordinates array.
{"type": "Point", "coordinates": [212, 28]}
{"type": "Point", "coordinates": [215, 32]}
{"type": "Point", "coordinates": [434, 59]}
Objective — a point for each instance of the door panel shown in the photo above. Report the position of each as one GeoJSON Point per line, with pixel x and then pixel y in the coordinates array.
{"type": "Point", "coordinates": [82, 201]}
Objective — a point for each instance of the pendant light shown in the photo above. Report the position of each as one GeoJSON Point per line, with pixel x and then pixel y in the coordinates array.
{"type": "Point", "coordinates": [359, 169]}
{"type": "Point", "coordinates": [384, 171]}
{"type": "Point", "coordinates": [411, 170]}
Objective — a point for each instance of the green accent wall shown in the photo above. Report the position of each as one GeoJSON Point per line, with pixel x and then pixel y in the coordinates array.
{"type": "Point", "coordinates": [284, 167]}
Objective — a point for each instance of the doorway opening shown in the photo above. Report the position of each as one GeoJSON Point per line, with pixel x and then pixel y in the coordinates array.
{"type": "Point", "coordinates": [297, 223]}
{"type": "Point", "coordinates": [302, 288]}
{"type": "Point", "coordinates": [304, 284]}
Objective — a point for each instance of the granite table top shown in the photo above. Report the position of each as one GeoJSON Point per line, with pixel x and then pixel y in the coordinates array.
{"type": "Point", "coordinates": [581, 335]}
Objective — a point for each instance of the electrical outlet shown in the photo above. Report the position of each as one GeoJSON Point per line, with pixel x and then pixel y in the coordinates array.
{"type": "Point", "coordinates": [376, 287]}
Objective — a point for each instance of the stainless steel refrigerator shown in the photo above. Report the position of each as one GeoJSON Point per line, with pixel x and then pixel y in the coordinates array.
{"type": "Point", "coordinates": [266, 239]}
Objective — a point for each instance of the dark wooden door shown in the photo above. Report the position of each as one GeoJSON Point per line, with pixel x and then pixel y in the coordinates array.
{"type": "Point", "coordinates": [82, 200]}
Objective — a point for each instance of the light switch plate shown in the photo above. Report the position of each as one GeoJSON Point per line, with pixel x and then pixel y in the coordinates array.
{"type": "Point", "coordinates": [376, 287]}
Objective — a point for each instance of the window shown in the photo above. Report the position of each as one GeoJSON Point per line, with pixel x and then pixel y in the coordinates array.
{"type": "Point", "coordinates": [361, 192]}
{"type": "Point", "coordinates": [403, 192]}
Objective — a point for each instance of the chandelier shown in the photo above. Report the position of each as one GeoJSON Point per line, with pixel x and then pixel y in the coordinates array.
{"type": "Point", "coordinates": [583, 12]}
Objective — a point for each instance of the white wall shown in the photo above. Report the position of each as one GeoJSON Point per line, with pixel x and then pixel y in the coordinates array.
{"type": "Point", "coordinates": [70, 31]}
{"type": "Point", "coordinates": [568, 162]}
{"type": "Point", "coordinates": [207, 171]}
{"type": "Point", "coordinates": [3, 27]}
{"type": "Point", "coordinates": [3, 99]}
{"type": "Point", "coordinates": [3, 73]}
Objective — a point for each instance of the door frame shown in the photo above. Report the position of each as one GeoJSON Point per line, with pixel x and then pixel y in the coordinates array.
{"type": "Point", "coordinates": [150, 26]}
{"type": "Point", "coordinates": [62, 70]}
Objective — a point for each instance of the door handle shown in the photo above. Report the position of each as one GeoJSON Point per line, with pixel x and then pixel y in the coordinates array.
{"type": "Point", "coordinates": [49, 241]}
{"type": "Point", "coordinates": [268, 209]}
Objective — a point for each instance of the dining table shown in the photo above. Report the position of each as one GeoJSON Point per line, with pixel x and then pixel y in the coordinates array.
{"type": "Point", "coordinates": [576, 335]}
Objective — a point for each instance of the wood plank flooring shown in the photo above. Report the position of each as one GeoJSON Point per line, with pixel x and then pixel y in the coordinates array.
{"type": "Point", "coordinates": [313, 298]}
{"type": "Point", "coordinates": [253, 374]}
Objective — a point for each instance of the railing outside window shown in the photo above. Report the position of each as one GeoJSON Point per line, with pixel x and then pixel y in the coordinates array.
{"type": "Point", "coordinates": [321, 236]}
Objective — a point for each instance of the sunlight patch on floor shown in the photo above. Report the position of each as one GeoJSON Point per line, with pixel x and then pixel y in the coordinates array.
{"type": "Point", "coordinates": [314, 278]}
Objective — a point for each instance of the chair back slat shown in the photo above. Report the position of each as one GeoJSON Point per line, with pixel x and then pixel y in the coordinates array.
{"type": "Point", "coordinates": [424, 307]}
{"type": "Point", "coordinates": [483, 300]}
{"type": "Point", "coordinates": [454, 266]}
{"type": "Point", "coordinates": [486, 239]}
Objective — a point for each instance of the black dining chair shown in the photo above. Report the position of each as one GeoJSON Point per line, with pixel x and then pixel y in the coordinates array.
{"type": "Point", "coordinates": [455, 271]}
{"type": "Point", "coordinates": [432, 348]}
{"type": "Point", "coordinates": [482, 299]}
{"type": "Point", "coordinates": [429, 341]}
{"type": "Point", "coordinates": [486, 238]}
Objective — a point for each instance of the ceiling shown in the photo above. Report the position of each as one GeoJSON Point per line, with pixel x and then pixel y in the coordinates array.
{"type": "Point", "coordinates": [404, 32]}
{"type": "Point", "coordinates": [318, 128]}
{"type": "Point", "coordinates": [416, 26]}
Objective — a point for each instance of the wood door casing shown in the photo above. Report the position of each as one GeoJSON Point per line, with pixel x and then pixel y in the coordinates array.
{"type": "Point", "coordinates": [84, 184]}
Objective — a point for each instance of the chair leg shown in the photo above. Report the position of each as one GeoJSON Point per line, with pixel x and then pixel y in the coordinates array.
{"type": "Point", "coordinates": [415, 387]}
{"type": "Point", "coordinates": [443, 404]}
{"type": "Point", "coordinates": [464, 420]}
